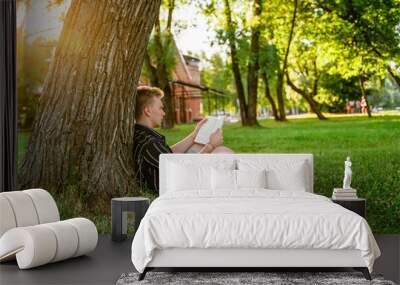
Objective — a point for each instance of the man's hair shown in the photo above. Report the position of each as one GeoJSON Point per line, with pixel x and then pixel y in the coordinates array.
{"type": "Point", "coordinates": [144, 97]}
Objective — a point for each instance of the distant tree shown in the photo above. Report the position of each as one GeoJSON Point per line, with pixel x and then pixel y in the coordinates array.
{"type": "Point", "coordinates": [254, 64]}
{"type": "Point", "coordinates": [303, 43]}
{"type": "Point", "coordinates": [278, 30]}
{"type": "Point", "coordinates": [304, 69]}
{"type": "Point", "coordinates": [238, 27]}
{"type": "Point", "coordinates": [337, 89]}
{"type": "Point", "coordinates": [160, 61]}
{"type": "Point", "coordinates": [248, 110]}
{"type": "Point", "coordinates": [283, 67]}
{"type": "Point", "coordinates": [269, 64]}
{"type": "Point", "coordinates": [218, 75]}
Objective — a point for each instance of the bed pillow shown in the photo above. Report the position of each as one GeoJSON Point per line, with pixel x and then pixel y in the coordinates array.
{"type": "Point", "coordinates": [182, 177]}
{"type": "Point", "coordinates": [194, 174]}
{"type": "Point", "coordinates": [223, 179]}
{"type": "Point", "coordinates": [219, 162]}
{"type": "Point", "coordinates": [280, 174]}
{"type": "Point", "coordinates": [292, 179]}
{"type": "Point", "coordinates": [230, 180]}
{"type": "Point", "coordinates": [251, 178]}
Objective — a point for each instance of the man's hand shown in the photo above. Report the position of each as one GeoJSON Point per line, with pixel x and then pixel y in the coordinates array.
{"type": "Point", "coordinates": [198, 127]}
{"type": "Point", "coordinates": [216, 138]}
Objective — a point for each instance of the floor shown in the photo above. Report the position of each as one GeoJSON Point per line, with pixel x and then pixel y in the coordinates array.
{"type": "Point", "coordinates": [103, 266]}
{"type": "Point", "coordinates": [110, 260]}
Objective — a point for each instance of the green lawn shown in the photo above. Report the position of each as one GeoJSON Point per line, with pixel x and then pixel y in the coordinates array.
{"type": "Point", "coordinates": [373, 144]}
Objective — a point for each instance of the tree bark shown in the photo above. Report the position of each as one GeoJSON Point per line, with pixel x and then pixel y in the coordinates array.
{"type": "Point", "coordinates": [279, 96]}
{"type": "Point", "coordinates": [235, 63]}
{"type": "Point", "coordinates": [253, 67]}
{"type": "Point", "coordinates": [83, 132]}
{"type": "Point", "coordinates": [362, 88]}
{"type": "Point", "coordinates": [169, 119]}
{"type": "Point", "coordinates": [269, 96]}
{"type": "Point", "coordinates": [308, 97]}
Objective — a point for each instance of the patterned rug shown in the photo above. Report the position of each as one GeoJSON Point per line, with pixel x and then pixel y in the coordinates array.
{"type": "Point", "coordinates": [273, 278]}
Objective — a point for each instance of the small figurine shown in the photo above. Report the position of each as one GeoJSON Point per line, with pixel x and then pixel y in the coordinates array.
{"type": "Point", "coordinates": [347, 174]}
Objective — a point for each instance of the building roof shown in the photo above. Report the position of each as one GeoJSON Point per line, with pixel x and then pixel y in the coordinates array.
{"type": "Point", "coordinates": [189, 58]}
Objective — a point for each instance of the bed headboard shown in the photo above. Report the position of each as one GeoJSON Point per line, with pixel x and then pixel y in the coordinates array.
{"type": "Point", "coordinates": [210, 159]}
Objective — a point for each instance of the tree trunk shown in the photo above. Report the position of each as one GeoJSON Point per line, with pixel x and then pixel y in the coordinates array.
{"type": "Point", "coordinates": [281, 73]}
{"type": "Point", "coordinates": [269, 97]}
{"type": "Point", "coordinates": [83, 132]}
{"type": "Point", "coordinates": [253, 67]}
{"type": "Point", "coordinates": [163, 82]}
{"type": "Point", "coordinates": [279, 95]}
{"type": "Point", "coordinates": [308, 97]}
{"type": "Point", "coordinates": [169, 119]}
{"type": "Point", "coordinates": [313, 106]}
{"type": "Point", "coordinates": [160, 75]}
{"type": "Point", "coordinates": [235, 64]}
{"type": "Point", "coordinates": [362, 88]}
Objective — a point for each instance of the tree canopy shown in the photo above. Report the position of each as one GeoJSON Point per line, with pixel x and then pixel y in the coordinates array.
{"type": "Point", "coordinates": [324, 51]}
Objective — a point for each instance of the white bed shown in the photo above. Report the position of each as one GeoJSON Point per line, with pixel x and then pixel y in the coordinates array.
{"type": "Point", "coordinates": [248, 227]}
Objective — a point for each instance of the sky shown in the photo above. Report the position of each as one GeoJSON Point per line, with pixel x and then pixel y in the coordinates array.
{"type": "Point", "coordinates": [195, 38]}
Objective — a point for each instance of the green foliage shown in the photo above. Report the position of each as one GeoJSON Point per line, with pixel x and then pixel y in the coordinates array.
{"type": "Point", "coordinates": [269, 58]}
{"type": "Point", "coordinates": [168, 56]}
{"type": "Point", "coordinates": [71, 204]}
{"type": "Point", "coordinates": [374, 25]}
{"type": "Point", "coordinates": [384, 93]}
{"type": "Point", "coordinates": [269, 63]}
{"type": "Point", "coordinates": [242, 22]}
{"type": "Point", "coordinates": [335, 87]}
{"type": "Point", "coordinates": [364, 35]}
{"type": "Point", "coordinates": [218, 75]}
{"type": "Point", "coordinates": [336, 40]}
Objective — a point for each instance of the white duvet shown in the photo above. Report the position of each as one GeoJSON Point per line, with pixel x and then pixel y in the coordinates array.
{"type": "Point", "coordinates": [250, 219]}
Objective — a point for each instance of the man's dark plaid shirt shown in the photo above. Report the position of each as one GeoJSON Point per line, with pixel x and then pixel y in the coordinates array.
{"type": "Point", "coordinates": [147, 147]}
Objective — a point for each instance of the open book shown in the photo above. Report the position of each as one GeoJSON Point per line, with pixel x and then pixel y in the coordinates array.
{"type": "Point", "coordinates": [209, 127]}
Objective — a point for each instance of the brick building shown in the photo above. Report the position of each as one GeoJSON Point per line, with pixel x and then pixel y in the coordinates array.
{"type": "Point", "coordinates": [187, 100]}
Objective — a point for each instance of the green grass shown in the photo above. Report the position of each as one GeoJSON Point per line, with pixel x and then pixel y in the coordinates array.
{"type": "Point", "coordinates": [373, 144]}
{"type": "Point", "coordinates": [23, 137]}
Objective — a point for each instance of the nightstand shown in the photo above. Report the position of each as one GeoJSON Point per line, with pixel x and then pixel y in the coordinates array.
{"type": "Point", "coordinates": [358, 205]}
{"type": "Point", "coordinates": [119, 209]}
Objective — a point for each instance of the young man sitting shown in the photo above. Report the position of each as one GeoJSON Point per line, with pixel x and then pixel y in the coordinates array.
{"type": "Point", "coordinates": [149, 144]}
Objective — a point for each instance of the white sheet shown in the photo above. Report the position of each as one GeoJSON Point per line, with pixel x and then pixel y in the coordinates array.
{"type": "Point", "coordinates": [251, 218]}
